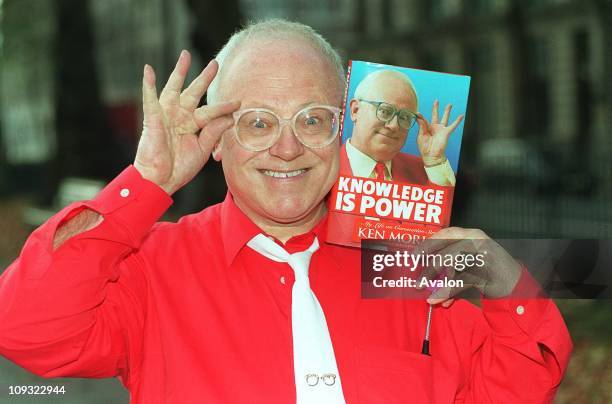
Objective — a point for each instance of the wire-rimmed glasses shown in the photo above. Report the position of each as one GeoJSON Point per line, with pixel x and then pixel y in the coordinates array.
{"type": "Point", "coordinates": [315, 126]}
{"type": "Point", "coordinates": [385, 112]}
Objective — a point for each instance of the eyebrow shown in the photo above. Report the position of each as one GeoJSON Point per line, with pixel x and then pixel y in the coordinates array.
{"type": "Point", "coordinates": [394, 105]}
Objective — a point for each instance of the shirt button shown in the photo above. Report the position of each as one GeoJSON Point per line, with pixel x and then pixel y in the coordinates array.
{"type": "Point", "coordinates": [124, 192]}
{"type": "Point", "coordinates": [282, 280]}
{"type": "Point", "coordinates": [520, 310]}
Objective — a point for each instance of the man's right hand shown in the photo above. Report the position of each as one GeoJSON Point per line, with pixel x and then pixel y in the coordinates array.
{"type": "Point", "coordinates": [177, 136]}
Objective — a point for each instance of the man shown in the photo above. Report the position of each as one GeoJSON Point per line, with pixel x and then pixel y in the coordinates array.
{"type": "Point", "coordinates": [383, 109]}
{"type": "Point", "coordinates": [199, 311]}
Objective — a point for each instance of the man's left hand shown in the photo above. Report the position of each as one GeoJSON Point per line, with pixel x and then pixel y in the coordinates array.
{"type": "Point", "coordinates": [433, 137]}
{"type": "Point", "coordinates": [496, 278]}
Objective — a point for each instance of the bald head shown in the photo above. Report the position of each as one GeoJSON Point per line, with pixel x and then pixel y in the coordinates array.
{"type": "Point", "coordinates": [378, 139]}
{"type": "Point", "coordinates": [383, 84]}
{"type": "Point", "coordinates": [269, 38]}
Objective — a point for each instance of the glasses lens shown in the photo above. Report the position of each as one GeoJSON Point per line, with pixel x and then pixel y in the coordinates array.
{"type": "Point", "coordinates": [256, 129]}
{"type": "Point", "coordinates": [316, 126]}
{"type": "Point", "coordinates": [406, 119]}
{"type": "Point", "coordinates": [385, 112]}
{"type": "Point", "coordinates": [329, 379]}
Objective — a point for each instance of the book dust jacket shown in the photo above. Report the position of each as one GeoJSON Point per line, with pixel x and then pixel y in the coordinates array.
{"type": "Point", "coordinates": [401, 136]}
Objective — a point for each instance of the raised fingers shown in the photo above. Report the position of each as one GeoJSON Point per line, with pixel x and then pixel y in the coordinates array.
{"type": "Point", "coordinates": [190, 98]}
{"type": "Point", "coordinates": [446, 114]}
{"type": "Point", "coordinates": [424, 127]}
{"type": "Point", "coordinates": [455, 123]}
{"type": "Point", "coordinates": [207, 113]}
{"type": "Point", "coordinates": [150, 104]}
{"type": "Point", "coordinates": [173, 87]}
{"type": "Point", "coordinates": [434, 112]}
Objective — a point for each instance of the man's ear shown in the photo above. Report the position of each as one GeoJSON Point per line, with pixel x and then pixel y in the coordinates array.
{"type": "Point", "coordinates": [216, 153]}
{"type": "Point", "coordinates": [354, 107]}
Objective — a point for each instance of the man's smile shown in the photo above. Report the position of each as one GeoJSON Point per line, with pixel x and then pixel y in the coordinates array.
{"type": "Point", "coordinates": [283, 174]}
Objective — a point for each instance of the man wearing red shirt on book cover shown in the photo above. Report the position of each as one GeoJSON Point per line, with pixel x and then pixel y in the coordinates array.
{"type": "Point", "coordinates": [246, 302]}
{"type": "Point", "coordinates": [383, 109]}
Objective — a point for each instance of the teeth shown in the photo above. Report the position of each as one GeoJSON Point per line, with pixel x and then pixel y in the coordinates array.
{"type": "Point", "coordinates": [282, 174]}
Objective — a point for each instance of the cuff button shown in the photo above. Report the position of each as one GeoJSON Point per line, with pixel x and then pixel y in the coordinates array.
{"type": "Point", "coordinates": [124, 192]}
{"type": "Point", "coordinates": [520, 310]}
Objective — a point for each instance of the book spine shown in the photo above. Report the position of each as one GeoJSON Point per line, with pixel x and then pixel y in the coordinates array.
{"type": "Point", "coordinates": [344, 104]}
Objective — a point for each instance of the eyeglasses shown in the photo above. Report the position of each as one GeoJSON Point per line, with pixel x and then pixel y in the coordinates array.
{"type": "Point", "coordinates": [386, 112]}
{"type": "Point", "coordinates": [312, 379]}
{"type": "Point", "coordinates": [315, 126]}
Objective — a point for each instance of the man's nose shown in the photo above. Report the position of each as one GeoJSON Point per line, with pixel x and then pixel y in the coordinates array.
{"type": "Point", "coordinates": [393, 124]}
{"type": "Point", "coordinates": [287, 147]}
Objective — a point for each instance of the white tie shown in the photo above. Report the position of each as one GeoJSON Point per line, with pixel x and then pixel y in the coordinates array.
{"type": "Point", "coordinates": [316, 374]}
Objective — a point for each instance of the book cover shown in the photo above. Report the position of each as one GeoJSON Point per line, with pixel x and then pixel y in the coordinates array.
{"type": "Point", "coordinates": [401, 137]}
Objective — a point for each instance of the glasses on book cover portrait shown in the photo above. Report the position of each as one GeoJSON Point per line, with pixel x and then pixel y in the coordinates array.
{"type": "Point", "coordinates": [385, 112]}
{"type": "Point", "coordinates": [315, 126]}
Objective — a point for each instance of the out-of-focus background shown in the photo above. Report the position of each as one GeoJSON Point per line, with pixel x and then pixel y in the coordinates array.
{"type": "Point", "coordinates": [536, 154]}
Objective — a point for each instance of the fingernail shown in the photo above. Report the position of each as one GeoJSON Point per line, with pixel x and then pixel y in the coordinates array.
{"type": "Point", "coordinates": [148, 73]}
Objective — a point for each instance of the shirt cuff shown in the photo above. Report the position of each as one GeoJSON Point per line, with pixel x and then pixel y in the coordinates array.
{"type": "Point", "coordinates": [521, 312]}
{"type": "Point", "coordinates": [441, 174]}
{"type": "Point", "coordinates": [131, 202]}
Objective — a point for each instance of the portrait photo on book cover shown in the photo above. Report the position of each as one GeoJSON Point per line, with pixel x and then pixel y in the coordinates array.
{"type": "Point", "coordinates": [402, 124]}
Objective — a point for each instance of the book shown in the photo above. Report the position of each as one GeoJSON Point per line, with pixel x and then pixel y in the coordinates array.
{"type": "Point", "coordinates": [401, 134]}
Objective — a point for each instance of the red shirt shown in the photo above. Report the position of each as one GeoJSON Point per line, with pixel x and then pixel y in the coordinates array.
{"type": "Point", "coordinates": [185, 313]}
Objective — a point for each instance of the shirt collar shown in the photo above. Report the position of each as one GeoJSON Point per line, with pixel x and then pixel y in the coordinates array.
{"type": "Point", "coordinates": [237, 229]}
{"type": "Point", "coordinates": [362, 165]}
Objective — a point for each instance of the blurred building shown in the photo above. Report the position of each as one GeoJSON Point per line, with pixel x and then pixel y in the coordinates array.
{"type": "Point", "coordinates": [71, 78]}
